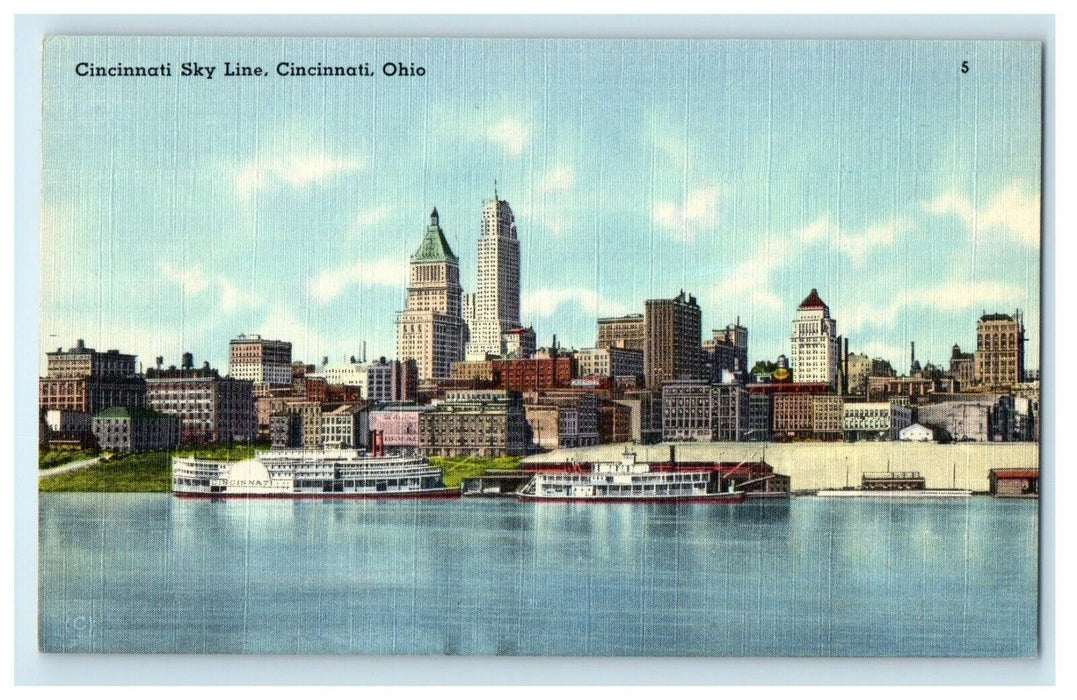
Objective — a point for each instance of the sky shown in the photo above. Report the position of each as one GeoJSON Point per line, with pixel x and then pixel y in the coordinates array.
{"type": "Point", "coordinates": [179, 212]}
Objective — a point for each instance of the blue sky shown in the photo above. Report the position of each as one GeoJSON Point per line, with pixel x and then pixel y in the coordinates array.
{"type": "Point", "coordinates": [179, 212]}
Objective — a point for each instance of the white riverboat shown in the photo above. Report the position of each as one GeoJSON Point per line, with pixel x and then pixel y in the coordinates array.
{"type": "Point", "coordinates": [629, 481]}
{"type": "Point", "coordinates": [310, 474]}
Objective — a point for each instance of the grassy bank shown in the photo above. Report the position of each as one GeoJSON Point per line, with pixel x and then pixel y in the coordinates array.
{"type": "Point", "coordinates": [151, 472]}
{"type": "Point", "coordinates": [47, 459]}
{"type": "Point", "coordinates": [456, 469]}
{"type": "Point", "coordinates": [146, 472]}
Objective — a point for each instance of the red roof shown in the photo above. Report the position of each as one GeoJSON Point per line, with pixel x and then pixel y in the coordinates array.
{"type": "Point", "coordinates": [1016, 473]}
{"type": "Point", "coordinates": [812, 301]}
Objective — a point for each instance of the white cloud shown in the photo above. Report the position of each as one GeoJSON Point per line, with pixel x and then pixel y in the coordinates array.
{"type": "Point", "coordinates": [749, 282]}
{"type": "Point", "coordinates": [194, 282]}
{"type": "Point", "coordinates": [512, 135]}
{"type": "Point", "coordinates": [329, 285]}
{"type": "Point", "coordinates": [373, 215]}
{"type": "Point", "coordinates": [955, 296]}
{"type": "Point", "coordinates": [190, 279]}
{"type": "Point", "coordinates": [293, 170]}
{"type": "Point", "coordinates": [700, 207]}
{"type": "Point", "coordinates": [235, 299]}
{"type": "Point", "coordinates": [560, 178]}
{"type": "Point", "coordinates": [855, 244]}
{"type": "Point", "coordinates": [543, 303]}
{"type": "Point", "coordinates": [1013, 211]}
{"type": "Point", "coordinates": [308, 345]}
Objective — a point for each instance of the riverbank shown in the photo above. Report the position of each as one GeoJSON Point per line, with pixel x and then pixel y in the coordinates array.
{"type": "Point", "coordinates": [811, 466]}
{"type": "Point", "coordinates": [145, 472]}
{"type": "Point", "coordinates": [151, 472]}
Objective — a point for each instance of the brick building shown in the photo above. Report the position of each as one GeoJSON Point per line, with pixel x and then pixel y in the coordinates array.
{"type": "Point", "coordinates": [628, 332]}
{"type": "Point", "coordinates": [260, 361]}
{"type": "Point", "coordinates": [211, 408]}
{"type": "Point", "coordinates": [87, 381]}
{"type": "Point", "coordinates": [1000, 350]}
{"type": "Point", "coordinates": [122, 429]}
{"type": "Point", "coordinates": [672, 348]}
{"type": "Point", "coordinates": [485, 423]}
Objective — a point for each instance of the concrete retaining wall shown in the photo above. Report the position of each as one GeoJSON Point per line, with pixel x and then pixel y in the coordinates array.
{"type": "Point", "coordinates": [831, 465]}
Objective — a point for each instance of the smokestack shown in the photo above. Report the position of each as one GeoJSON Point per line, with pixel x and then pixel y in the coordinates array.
{"type": "Point", "coordinates": [364, 352]}
{"type": "Point", "coordinates": [845, 370]}
{"type": "Point", "coordinates": [912, 354]}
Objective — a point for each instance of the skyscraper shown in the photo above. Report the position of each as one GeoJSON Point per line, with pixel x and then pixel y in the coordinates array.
{"type": "Point", "coordinates": [1000, 350]}
{"type": "Point", "coordinates": [494, 309]}
{"type": "Point", "coordinates": [672, 349]}
{"type": "Point", "coordinates": [815, 345]}
{"type": "Point", "coordinates": [431, 330]}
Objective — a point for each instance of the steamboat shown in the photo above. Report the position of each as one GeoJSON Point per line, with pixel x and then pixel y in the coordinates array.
{"type": "Point", "coordinates": [292, 473]}
{"type": "Point", "coordinates": [629, 481]}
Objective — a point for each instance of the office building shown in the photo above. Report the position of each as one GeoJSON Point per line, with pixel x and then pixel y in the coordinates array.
{"type": "Point", "coordinates": [495, 308]}
{"type": "Point", "coordinates": [260, 361]}
{"type": "Point", "coordinates": [430, 331]}
{"type": "Point", "coordinates": [815, 346]}
{"type": "Point", "coordinates": [1000, 350]}
{"type": "Point", "coordinates": [672, 349]}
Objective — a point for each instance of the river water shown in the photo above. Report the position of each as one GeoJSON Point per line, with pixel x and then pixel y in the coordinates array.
{"type": "Point", "coordinates": [807, 577]}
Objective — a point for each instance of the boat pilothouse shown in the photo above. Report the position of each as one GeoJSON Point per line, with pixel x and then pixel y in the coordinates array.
{"type": "Point", "coordinates": [628, 481]}
{"type": "Point", "coordinates": [310, 473]}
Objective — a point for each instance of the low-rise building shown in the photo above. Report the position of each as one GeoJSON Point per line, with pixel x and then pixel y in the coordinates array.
{"type": "Point", "coordinates": [760, 417]}
{"type": "Point", "coordinates": [122, 429]}
{"type": "Point", "coordinates": [560, 422]}
{"type": "Point", "coordinates": [916, 433]}
{"type": "Point", "coordinates": [687, 411]}
{"type": "Point", "coordinates": [482, 423]}
{"type": "Point", "coordinates": [875, 421]}
{"type": "Point", "coordinates": [915, 389]}
{"type": "Point", "coordinates": [87, 381]}
{"type": "Point", "coordinates": [961, 421]}
{"type": "Point", "coordinates": [827, 417]}
{"type": "Point", "coordinates": [698, 411]}
{"type": "Point", "coordinates": [68, 421]}
{"type": "Point", "coordinates": [609, 362]}
{"type": "Point", "coordinates": [399, 425]}
{"type": "Point", "coordinates": [67, 429]}
{"type": "Point", "coordinates": [345, 426]}
{"type": "Point", "coordinates": [211, 408]}
{"type": "Point", "coordinates": [518, 343]}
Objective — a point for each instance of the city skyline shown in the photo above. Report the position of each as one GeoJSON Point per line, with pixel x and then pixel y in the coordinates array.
{"type": "Point", "coordinates": [295, 218]}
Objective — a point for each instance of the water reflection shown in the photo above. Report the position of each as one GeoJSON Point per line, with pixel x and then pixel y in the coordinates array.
{"type": "Point", "coordinates": [806, 577]}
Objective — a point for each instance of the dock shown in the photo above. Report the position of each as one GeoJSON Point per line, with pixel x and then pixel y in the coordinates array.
{"type": "Point", "coordinates": [494, 484]}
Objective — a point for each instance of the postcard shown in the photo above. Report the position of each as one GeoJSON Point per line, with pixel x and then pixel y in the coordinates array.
{"type": "Point", "coordinates": [620, 348]}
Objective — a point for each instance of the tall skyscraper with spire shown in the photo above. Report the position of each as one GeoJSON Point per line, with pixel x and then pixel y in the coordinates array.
{"type": "Point", "coordinates": [431, 329]}
{"type": "Point", "coordinates": [494, 308]}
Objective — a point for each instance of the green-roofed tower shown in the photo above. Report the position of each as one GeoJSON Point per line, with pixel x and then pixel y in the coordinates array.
{"type": "Point", "coordinates": [434, 247]}
{"type": "Point", "coordinates": [431, 330]}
